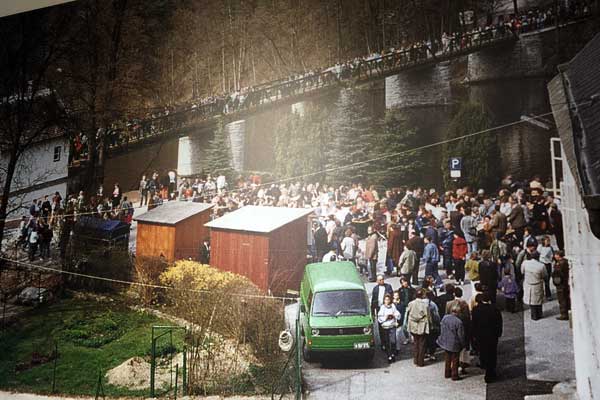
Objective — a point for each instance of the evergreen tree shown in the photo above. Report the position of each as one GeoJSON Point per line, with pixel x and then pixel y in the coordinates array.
{"type": "Point", "coordinates": [393, 137]}
{"type": "Point", "coordinates": [218, 159]}
{"type": "Point", "coordinates": [351, 133]}
{"type": "Point", "coordinates": [300, 144]}
{"type": "Point", "coordinates": [480, 154]}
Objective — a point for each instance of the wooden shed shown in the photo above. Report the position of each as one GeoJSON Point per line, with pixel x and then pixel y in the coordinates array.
{"type": "Point", "coordinates": [174, 230]}
{"type": "Point", "coordinates": [266, 244]}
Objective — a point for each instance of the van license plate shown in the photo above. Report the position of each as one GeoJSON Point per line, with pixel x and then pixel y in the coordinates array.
{"type": "Point", "coordinates": [360, 346]}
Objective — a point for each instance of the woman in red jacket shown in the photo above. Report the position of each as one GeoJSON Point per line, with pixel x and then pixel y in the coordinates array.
{"type": "Point", "coordinates": [459, 256]}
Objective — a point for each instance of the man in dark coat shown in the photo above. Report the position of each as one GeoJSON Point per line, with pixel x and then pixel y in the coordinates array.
{"type": "Point", "coordinates": [560, 278]}
{"type": "Point", "coordinates": [205, 252]}
{"type": "Point", "coordinates": [443, 299]}
{"type": "Point", "coordinates": [321, 242]}
{"type": "Point", "coordinates": [488, 275]}
{"type": "Point", "coordinates": [379, 291]}
{"type": "Point", "coordinates": [46, 207]}
{"type": "Point", "coordinates": [486, 328]}
{"type": "Point", "coordinates": [416, 243]}
{"type": "Point", "coordinates": [516, 218]}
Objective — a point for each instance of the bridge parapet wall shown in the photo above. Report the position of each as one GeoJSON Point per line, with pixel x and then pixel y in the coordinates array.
{"type": "Point", "coordinates": [535, 54]}
{"type": "Point", "coordinates": [515, 60]}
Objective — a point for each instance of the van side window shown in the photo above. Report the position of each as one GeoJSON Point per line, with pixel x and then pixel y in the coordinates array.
{"type": "Point", "coordinates": [309, 300]}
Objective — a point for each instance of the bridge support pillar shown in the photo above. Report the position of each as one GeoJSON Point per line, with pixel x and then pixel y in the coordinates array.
{"type": "Point", "coordinates": [236, 131]}
{"type": "Point", "coordinates": [429, 86]}
{"type": "Point", "coordinates": [190, 154]}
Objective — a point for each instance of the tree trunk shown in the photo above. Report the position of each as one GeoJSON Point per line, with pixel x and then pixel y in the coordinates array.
{"type": "Point", "coordinates": [4, 199]}
{"type": "Point", "coordinates": [338, 16]}
{"type": "Point", "coordinates": [223, 74]}
{"type": "Point", "coordinates": [515, 6]}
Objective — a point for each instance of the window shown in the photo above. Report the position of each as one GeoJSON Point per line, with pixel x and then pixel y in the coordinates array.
{"type": "Point", "coordinates": [57, 151]}
{"type": "Point", "coordinates": [340, 302]}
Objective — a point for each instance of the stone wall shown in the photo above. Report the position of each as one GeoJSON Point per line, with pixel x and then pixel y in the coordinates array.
{"type": "Point", "coordinates": [534, 54]}
{"type": "Point", "coordinates": [513, 60]}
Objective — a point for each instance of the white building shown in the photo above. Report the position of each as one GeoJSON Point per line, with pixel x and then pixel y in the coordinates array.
{"type": "Point", "coordinates": [575, 98]}
{"type": "Point", "coordinates": [41, 170]}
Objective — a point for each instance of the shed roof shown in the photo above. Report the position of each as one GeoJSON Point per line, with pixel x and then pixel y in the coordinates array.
{"type": "Point", "coordinates": [259, 218]}
{"type": "Point", "coordinates": [173, 212]}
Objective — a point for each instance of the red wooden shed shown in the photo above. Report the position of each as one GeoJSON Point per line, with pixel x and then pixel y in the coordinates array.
{"type": "Point", "coordinates": [174, 230]}
{"type": "Point", "coordinates": [266, 244]}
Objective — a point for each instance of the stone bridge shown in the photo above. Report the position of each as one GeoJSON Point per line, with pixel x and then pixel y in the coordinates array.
{"type": "Point", "coordinates": [275, 94]}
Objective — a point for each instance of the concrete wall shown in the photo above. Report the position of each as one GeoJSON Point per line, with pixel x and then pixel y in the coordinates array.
{"type": "Point", "coordinates": [583, 249]}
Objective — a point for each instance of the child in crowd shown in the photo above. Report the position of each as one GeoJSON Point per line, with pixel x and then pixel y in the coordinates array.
{"type": "Point", "coordinates": [401, 336]}
{"type": "Point", "coordinates": [478, 289]}
{"type": "Point", "coordinates": [472, 269]}
{"type": "Point", "coordinates": [510, 289]}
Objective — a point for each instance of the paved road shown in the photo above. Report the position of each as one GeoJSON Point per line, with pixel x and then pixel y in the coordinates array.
{"type": "Point", "coordinates": [348, 379]}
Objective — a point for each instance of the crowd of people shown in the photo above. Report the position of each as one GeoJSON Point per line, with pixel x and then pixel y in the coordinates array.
{"type": "Point", "coordinates": [539, 18]}
{"type": "Point", "coordinates": [152, 122]}
{"type": "Point", "coordinates": [490, 243]}
{"type": "Point", "coordinates": [54, 218]}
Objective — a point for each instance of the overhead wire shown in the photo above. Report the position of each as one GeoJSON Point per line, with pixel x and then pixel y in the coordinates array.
{"type": "Point", "coordinates": [133, 283]}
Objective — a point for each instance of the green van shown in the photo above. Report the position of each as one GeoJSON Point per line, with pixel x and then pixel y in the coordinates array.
{"type": "Point", "coordinates": [335, 316]}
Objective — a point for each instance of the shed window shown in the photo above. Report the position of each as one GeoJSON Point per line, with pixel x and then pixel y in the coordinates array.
{"type": "Point", "coordinates": [57, 152]}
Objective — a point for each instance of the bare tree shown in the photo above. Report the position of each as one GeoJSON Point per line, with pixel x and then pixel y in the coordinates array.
{"type": "Point", "coordinates": [29, 109]}
{"type": "Point", "coordinates": [102, 76]}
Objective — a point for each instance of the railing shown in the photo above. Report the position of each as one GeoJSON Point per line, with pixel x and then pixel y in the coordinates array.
{"type": "Point", "coordinates": [266, 94]}
{"type": "Point", "coordinates": [292, 370]}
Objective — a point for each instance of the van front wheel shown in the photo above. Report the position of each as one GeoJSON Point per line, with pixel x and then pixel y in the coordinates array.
{"type": "Point", "coordinates": [306, 353]}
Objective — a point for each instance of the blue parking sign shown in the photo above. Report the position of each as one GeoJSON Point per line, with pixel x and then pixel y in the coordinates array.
{"type": "Point", "coordinates": [455, 164]}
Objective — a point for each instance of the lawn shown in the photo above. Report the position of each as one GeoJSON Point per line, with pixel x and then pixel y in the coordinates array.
{"type": "Point", "coordinates": [92, 337]}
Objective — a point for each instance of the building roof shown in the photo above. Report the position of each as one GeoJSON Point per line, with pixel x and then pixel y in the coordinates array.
{"type": "Point", "coordinates": [584, 81]}
{"type": "Point", "coordinates": [173, 212]}
{"type": "Point", "coordinates": [334, 276]}
{"type": "Point", "coordinates": [575, 99]}
{"type": "Point", "coordinates": [258, 218]}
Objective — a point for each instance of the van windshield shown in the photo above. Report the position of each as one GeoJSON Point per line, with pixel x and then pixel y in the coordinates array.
{"type": "Point", "coordinates": [340, 302]}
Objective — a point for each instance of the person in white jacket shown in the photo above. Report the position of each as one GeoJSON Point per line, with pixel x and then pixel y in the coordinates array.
{"type": "Point", "coordinates": [388, 317]}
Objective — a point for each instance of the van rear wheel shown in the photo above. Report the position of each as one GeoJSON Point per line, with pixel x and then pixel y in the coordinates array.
{"type": "Point", "coordinates": [306, 353]}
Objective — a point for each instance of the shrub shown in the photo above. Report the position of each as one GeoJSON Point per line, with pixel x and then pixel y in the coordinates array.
{"type": "Point", "coordinates": [93, 332]}
{"type": "Point", "coordinates": [147, 271]}
{"type": "Point", "coordinates": [229, 306]}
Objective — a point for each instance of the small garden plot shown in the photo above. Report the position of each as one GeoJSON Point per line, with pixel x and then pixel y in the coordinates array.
{"type": "Point", "coordinates": [92, 337]}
